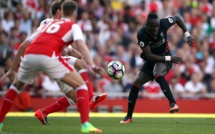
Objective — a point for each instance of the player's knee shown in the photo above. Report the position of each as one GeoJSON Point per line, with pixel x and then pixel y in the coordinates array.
{"type": "Point", "coordinates": [156, 74]}
{"type": "Point", "coordinates": [81, 65]}
{"type": "Point", "coordinates": [78, 84]}
{"type": "Point", "coordinates": [71, 97]}
{"type": "Point", "coordinates": [81, 87]}
{"type": "Point", "coordinates": [137, 83]}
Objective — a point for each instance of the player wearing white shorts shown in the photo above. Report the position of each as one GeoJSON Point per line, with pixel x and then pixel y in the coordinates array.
{"type": "Point", "coordinates": [32, 63]}
{"type": "Point", "coordinates": [79, 65]}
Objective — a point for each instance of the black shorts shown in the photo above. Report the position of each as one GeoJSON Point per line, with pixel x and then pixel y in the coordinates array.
{"type": "Point", "coordinates": [148, 67]}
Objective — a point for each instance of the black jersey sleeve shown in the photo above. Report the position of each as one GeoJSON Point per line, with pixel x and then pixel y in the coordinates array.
{"type": "Point", "coordinates": [168, 22]}
{"type": "Point", "coordinates": [141, 39]}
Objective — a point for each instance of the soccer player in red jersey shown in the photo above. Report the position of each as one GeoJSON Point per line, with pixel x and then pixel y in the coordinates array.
{"type": "Point", "coordinates": [80, 66]}
{"type": "Point", "coordinates": [60, 32]}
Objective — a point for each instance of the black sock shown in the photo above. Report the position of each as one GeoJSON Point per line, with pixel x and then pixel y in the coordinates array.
{"type": "Point", "coordinates": [133, 95]}
{"type": "Point", "coordinates": [165, 88]}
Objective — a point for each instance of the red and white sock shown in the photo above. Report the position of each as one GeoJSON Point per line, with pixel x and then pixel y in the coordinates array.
{"type": "Point", "coordinates": [59, 105]}
{"type": "Point", "coordinates": [84, 75]}
{"type": "Point", "coordinates": [7, 102]}
{"type": "Point", "coordinates": [83, 103]}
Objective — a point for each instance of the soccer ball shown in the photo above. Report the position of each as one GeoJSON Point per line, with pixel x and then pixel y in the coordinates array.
{"type": "Point", "coordinates": [115, 69]}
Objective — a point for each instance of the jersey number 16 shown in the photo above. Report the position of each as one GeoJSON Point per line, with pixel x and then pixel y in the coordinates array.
{"type": "Point", "coordinates": [52, 27]}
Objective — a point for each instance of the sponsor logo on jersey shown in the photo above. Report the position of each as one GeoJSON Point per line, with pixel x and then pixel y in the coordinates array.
{"type": "Point", "coordinates": [170, 20]}
{"type": "Point", "coordinates": [142, 44]}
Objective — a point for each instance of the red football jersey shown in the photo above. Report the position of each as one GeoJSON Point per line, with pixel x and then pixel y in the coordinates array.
{"type": "Point", "coordinates": [54, 36]}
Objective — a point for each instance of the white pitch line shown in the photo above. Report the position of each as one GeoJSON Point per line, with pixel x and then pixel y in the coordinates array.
{"type": "Point", "coordinates": [146, 115]}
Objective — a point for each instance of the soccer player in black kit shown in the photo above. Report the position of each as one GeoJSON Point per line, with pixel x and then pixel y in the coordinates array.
{"type": "Point", "coordinates": [152, 39]}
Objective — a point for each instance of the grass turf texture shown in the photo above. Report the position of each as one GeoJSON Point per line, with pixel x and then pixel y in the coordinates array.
{"type": "Point", "coordinates": [111, 125]}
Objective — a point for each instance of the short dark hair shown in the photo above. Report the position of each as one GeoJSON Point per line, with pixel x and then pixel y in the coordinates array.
{"type": "Point", "coordinates": [69, 7]}
{"type": "Point", "coordinates": [152, 15]}
{"type": "Point", "coordinates": [55, 6]}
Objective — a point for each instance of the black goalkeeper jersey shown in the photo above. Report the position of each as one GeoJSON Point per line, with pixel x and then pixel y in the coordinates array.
{"type": "Point", "coordinates": [158, 44]}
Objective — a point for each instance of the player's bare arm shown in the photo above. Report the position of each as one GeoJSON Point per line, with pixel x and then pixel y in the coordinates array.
{"type": "Point", "coordinates": [20, 52]}
{"type": "Point", "coordinates": [82, 48]}
{"type": "Point", "coordinates": [148, 55]}
{"type": "Point", "coordinates": [181, 24]}
{"type": "Point", "coordinates": [75, 53]}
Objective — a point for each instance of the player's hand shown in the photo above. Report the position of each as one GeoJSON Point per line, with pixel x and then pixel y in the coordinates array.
{"type": "Point", "coordinates": [99, 70]}
{"type": "Point", "coordinates": [175, 59]}
{"type": "Point", "coordinates": [190, 41]}
{"type": "Point", "coordinates": [8, 74]}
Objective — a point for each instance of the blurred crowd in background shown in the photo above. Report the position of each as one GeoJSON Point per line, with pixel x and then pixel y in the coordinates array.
{"type": "Point", "coordinates": [109, 28]}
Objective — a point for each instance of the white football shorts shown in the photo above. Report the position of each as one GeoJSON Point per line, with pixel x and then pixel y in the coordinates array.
{"type": "Point", "coordinates": [55, 67]}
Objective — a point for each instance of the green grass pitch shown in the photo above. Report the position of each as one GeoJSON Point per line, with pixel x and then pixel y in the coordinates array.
{"type": "Point", "coordinates": [111, 125]}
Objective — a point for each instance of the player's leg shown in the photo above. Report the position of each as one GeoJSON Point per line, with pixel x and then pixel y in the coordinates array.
{"type": "Point", "coordinates": [74, 79]}
{"type": "Point", "coordinates": [25, 74]}
{"type": "Point", "coordinates": [60, 104]}
{"type": "Point", "coordinates": [8, 100]}
{"type": "Point", "coordinates": [142, 77]}
{"type": "Point", "coordinates": [59, 69]}
{"type": "Point", "coordinates": [81, 67]}
{"type": "Point", "coordinates": [160, 70]}
{"type": "Point", "coordinates": [64, 102]}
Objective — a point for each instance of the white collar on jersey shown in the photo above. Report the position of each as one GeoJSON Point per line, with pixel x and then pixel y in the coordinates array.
{"type": "Point", "coordinates": [65, 19]}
